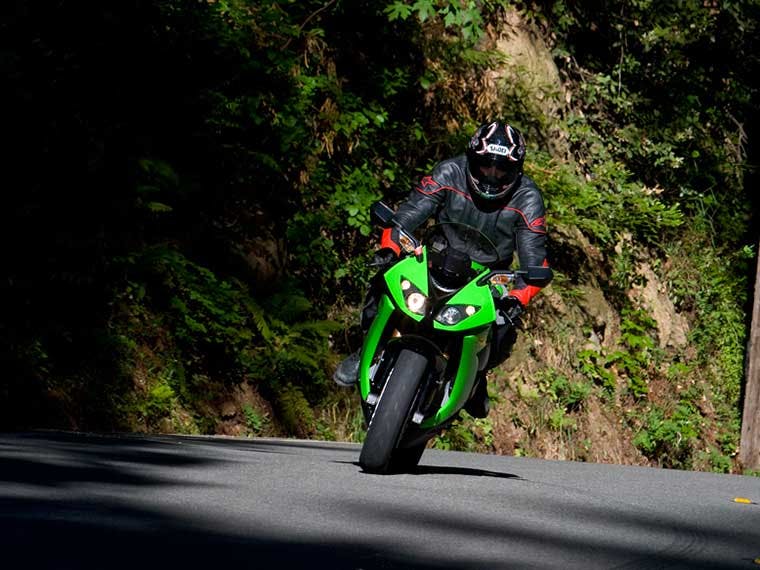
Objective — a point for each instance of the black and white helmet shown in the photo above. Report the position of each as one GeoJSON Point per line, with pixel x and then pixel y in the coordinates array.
{"type": "Point", "coordinates": [495, 159]}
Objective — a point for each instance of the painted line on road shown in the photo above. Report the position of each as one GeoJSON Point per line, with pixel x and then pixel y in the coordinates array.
{"type": "Point", "coordinates": [744, 501]}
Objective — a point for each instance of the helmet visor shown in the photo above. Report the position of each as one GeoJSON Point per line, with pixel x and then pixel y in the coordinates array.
{"type": "Point", "coordinates": [497, 174]}
{"type": "Point", "coordinates": [494, 180]}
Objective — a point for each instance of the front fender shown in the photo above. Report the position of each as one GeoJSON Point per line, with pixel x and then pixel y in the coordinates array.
{"type": "Point", "coordinates": [464, 379]}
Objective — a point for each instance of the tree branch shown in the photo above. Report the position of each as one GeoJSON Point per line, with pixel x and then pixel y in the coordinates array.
{"type": "Point", "coordinates": [308, 19]}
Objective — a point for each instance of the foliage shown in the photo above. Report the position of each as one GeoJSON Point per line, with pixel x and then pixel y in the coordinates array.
{"type": "Point", "coordinates": [159, 402]}
{"type": "Point", "coordinates": [636, 335]}
{"type": "Point", "coordinates": [657, 129]}
{"type": "Point", "coordinates": [594, 366]}
{"type": "Point", "coordinates": [255, 421]}
{"type": "Point", "coordinates": [608, 204]}
{"type": "Point", "coordinates": [465, 17]}
{"type": "Point", "coordinates": [220, 329]}
{"type": "Point", "coordinates": [467, 434]}
{"type": "Point", "coordinates": [207, 313]}
{"type": "Point", "coordinates": [713, 287]}
{"type": "Point", "coordinates": [295, 411]}
{"type": "Point", "coordinates": [566, 393]}
{"type": "Point", "coordinates": [669, 436]}
{"type": "Point", "coordinates": [140, 293]}
{"type": "Point", "coordinates": [659, 98]}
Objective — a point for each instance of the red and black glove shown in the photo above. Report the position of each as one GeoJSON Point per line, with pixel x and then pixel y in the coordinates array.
{"type": "Point", "coordinates": [389, 249]}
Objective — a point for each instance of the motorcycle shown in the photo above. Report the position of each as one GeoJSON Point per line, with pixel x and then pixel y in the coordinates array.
{"type": "Point", "coordinates": [430, 337]}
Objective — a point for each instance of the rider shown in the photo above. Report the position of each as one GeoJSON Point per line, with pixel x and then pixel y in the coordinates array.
{"type": "Point", "coordinates": [484, 188]}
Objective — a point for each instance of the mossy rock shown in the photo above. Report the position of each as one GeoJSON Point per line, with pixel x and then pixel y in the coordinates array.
{"type": "Point", "coordinates": [295, 412]}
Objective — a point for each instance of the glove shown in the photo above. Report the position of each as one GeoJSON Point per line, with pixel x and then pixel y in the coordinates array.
{"type": "Point", "coordinates": [383, 258]}
{"type": "Point", "coordinates": [510, 309]}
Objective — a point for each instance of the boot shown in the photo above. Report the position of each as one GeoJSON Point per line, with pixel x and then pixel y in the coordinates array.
{"type": "Point", "coordinates": [479, 404]}
{"type": "Point", "coordinates": [347, 372]}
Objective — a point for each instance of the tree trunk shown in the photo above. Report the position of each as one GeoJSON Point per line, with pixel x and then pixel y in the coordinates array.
{"type": "Point", "coordinates": [749, 453]}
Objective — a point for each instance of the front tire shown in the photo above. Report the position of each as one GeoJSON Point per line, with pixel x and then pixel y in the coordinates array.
{"type": "Point", "coordinates": [392, 412]}
{"type": "Point", "coordinates": [406, 458]}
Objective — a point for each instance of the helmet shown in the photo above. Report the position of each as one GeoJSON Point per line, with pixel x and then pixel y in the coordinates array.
{"type": "Point", "coordinates": [495, 158]}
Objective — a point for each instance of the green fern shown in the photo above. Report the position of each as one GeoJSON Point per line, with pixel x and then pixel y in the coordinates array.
{"type": "Point", "coordinates": [258, 316]}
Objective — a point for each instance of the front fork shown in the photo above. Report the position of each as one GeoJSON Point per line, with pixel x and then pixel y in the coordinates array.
{"type": "Point", "coordinates": [371, 342]}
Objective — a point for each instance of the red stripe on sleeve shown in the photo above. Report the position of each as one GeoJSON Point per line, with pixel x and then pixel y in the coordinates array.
{"type": "Point", "coordinates": [536, 226]}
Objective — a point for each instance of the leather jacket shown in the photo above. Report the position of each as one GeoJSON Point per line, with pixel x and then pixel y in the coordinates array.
{"type": "Point", "coordinates": [518, 224]}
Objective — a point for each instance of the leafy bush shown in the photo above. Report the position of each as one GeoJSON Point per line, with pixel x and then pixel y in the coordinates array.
{"type": "Point", "coordinates": [568, 394]}
{"type": "Point", "coordinates": [669, 437]}
{"type": "Point", "coordinates": [236, 121]}
{"type": "Point", "coordinates": [609, 204]}
{"type": "Point", "coordinates": [593, 365]}
{"type": "Point", "coordinates": [467, 434]}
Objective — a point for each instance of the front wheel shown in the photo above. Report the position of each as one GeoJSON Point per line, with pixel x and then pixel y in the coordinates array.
{"type": "Point", "coordinates": [407, 458]}
{"type": "Point", "coordinates": [392, 412]}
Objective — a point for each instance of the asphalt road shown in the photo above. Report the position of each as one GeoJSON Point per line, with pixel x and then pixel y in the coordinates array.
{"type": "Point", "coordinates": [84, 501]}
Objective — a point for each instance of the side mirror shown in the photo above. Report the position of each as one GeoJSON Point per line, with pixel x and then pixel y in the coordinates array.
{"type": "Point", "coordinates": [382, 214]}
{"type": "Point", "coordinates": [538, 276]}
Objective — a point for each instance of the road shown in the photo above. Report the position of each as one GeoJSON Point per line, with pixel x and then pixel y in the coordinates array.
{"type": "Point", "coordinates": [110, 502]}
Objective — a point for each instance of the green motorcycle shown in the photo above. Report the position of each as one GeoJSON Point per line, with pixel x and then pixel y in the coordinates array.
{"type": "Point", "coordinates": [429, 339]}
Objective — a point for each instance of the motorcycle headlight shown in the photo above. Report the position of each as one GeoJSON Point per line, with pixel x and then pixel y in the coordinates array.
{"type": "Point", "coordinates": [415, 299]}
{"type": "Point", "coordinates": [416, 303]}
{"type": "Point", "coordinates": [452, 314]}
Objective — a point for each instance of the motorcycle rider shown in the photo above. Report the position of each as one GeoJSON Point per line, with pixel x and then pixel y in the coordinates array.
{"type": "Point", "coordinates": [484, 188]}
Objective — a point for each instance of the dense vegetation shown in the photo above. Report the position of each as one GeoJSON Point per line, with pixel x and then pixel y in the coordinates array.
{"type": "Point", "coordinates": [191, 183]}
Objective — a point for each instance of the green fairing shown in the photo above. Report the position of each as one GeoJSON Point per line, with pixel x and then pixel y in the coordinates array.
{"type": "Point", "coordinates": [478, 296]}
{"type": "Point", "coordinates": [465, 378]}
{"type": "Point", "coordinates": [371, 340]}
{"type": "Point", "coordinates": [416, 272]}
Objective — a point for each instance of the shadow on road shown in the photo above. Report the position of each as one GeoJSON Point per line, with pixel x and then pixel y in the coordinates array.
{"type": "Point", "coordinates": [77, 521]}
{"type": "Point", "coordinates": [467, 471]}
{"type": "Point", "coordinates": [445, 470]}
{"type": "Point", "coordinates": [98, 534]}
{"type": "Point", "coordinates": [74, 502]}
{"type": "Point", "coordinates": [77, 458]}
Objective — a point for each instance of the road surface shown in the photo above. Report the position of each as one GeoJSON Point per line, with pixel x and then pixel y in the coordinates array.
{"type": "Point", "coordinates": [110, 502]}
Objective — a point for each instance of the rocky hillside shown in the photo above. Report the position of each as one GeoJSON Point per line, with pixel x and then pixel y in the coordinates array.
{"type": "Point", "coordinates": [204, 273]}
{"type": "Point", "coordinates": [615, 362]}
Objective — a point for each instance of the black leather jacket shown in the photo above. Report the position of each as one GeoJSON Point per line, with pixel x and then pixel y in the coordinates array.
{"type": "Point", "coordinates": [518, 225]}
